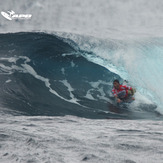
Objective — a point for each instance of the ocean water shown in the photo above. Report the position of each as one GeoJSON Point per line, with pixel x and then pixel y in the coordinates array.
{"type": "Point", "coordinates": [57, 70]}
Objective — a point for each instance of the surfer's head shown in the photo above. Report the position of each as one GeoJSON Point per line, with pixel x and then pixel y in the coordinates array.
{"type": "Point", "coordinates": [116, 84]}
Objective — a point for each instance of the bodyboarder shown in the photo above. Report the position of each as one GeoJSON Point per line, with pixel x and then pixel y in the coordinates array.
{"type": "Point", "coordinates": [122, 92]}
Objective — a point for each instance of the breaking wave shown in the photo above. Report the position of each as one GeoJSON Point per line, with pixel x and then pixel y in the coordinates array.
{"type": "Point", "coordinates": [46, 74]}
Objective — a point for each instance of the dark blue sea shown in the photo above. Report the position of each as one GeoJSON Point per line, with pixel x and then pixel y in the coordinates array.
{"type": "Point", "coordinates": [56, 75]}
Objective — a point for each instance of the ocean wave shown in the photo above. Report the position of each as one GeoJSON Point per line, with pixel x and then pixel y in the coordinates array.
{"type": "Point", "coordinates": [44, 74]}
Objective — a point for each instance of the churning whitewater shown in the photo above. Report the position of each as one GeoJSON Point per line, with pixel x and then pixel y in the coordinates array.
{"type": "Point", "coordinates": [43, 74]}
{"type": "Point", "coordinates": [56, 74]}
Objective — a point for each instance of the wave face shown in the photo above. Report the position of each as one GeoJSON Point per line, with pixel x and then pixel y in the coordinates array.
{"type": "Point", "coordinates": [41, 74]}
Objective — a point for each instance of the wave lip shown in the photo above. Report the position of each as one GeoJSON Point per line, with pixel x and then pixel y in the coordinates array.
{"type": "Point", "coordinates": [43, 75]}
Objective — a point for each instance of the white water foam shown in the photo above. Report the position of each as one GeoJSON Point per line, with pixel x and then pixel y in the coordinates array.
{"type": "Point", "coordinates": [72, 139]}
{"type": "Point", "coordinates": [25, 68]}
{"type": "Point", "coordinates": [70, 89]}
{"type": "Point", "coordinates": [102, 19]}
{"type": "Point", "coordinates": [138, 61]}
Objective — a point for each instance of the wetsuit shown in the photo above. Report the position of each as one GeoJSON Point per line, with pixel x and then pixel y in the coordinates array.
{"type": "Point", "coordinates": [122, 92]}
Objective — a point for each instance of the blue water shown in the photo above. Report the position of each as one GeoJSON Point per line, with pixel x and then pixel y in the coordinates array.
{"type": "Point", "coordinates": [56, 74]}
{"type": "Point", "coordinates": [44, 74]}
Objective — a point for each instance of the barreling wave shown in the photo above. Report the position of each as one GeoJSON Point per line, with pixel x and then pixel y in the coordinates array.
{"type": "Point", "coordinates": [42, 74]}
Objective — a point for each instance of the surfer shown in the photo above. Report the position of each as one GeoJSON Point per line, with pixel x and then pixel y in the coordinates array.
{"type": "Point", "coordinates": [122, 92]}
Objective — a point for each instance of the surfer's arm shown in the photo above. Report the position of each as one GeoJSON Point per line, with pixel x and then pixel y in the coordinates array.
{"type": "Point", "coordinates": [117, 99]}
{"type": "Point", "coordinates": [130, 89]}
{"type": "Point", "coordinates": [114, 93]}
{"type": "Point", "coordinates": [116, 96]}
